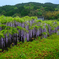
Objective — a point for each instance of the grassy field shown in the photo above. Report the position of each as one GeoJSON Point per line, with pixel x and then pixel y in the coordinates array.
{"type": "Point", "coordinates": [37, 49]}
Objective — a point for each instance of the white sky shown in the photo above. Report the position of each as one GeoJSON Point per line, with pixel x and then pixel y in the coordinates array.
{"type": "Point", "coordinates": [13, 2]}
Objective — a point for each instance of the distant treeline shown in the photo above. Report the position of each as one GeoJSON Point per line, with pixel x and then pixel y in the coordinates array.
{"type": "Point", "coordinates": [48, 10]}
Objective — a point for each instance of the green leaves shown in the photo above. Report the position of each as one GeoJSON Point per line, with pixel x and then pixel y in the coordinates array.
{"type": "Point", "coordinates": [20, 28]}
{"type": "Point", "coordinates": [1, 35]}
{"type": "Point", "coordinates": [44, 33]}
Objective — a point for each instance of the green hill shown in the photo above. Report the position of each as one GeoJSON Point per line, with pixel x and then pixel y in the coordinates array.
{"type": "Point", "coordinates": [30, 9]}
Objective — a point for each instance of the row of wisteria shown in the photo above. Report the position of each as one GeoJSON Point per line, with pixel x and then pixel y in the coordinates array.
{"type": "Point", "coordinates": [26, 28]}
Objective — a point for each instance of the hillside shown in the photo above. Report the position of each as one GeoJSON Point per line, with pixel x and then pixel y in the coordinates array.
{"type": "Point", "coordinates": [31, 9]}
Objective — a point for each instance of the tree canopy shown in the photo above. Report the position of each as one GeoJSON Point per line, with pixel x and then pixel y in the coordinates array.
{"type": "Point", "coordinates": [31, 9]}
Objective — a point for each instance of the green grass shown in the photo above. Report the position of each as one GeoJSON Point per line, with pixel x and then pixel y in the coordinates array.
{"type": "Point", "coordinates": [37, 49]}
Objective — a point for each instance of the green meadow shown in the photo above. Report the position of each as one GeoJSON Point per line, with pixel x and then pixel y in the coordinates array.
{"type": "Point", "coordinates": [45, 48]}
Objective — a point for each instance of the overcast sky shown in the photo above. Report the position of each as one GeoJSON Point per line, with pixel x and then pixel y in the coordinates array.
{"type": "Point", "coordinates": [13, 2]}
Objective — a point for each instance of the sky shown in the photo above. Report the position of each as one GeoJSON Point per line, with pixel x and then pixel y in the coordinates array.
{"type": "Point", "coordinates": [13, 2]}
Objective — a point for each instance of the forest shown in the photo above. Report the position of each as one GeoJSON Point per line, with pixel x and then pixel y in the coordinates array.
{"type": "Point", "coordinates": [48, 10]}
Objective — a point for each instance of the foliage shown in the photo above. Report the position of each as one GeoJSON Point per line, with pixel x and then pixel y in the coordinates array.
{"type": "Point", "coordinates": [48, 10]}
{"type": "Point", "coordinates": [38, 49]}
